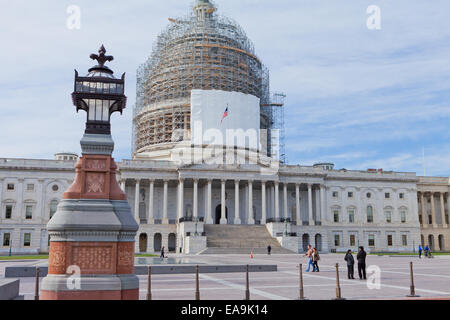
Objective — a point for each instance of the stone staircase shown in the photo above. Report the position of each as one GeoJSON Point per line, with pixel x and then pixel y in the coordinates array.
{"type": "Point", "coordinates": [240, 239]}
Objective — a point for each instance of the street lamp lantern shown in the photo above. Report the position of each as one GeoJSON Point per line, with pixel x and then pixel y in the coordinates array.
{"type": "Point", "coordinates": [100, 94]}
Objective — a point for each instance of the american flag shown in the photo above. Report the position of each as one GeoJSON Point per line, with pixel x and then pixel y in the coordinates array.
{"type": "Point", "coordinates": [225, 114]}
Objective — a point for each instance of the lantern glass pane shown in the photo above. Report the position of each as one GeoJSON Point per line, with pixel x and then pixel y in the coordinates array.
{"type": "Point", "coordinates": [98, 110]}
{"type": "Point", "coordinates": [105, 110]}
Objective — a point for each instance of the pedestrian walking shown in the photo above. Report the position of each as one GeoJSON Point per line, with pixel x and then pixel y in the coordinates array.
{"type": "Point", "coordinates": [350, 264]}
{"type": "Point", "coordinates": [269, 249]}
{"type": "Point", "coordinates": [309, 255]}
{"type": "Point", "coordinates": [361, 257]}
{"type": "Point", "coordinates": [426, 249]}
{"type": "Point", "coordinates": [429, 252]}
{"type": "Point", "coordinates": [162, 253]}
{"type": "Point", "coordinates": [420, 251]}
{"type": "Point", "coordinates": [315, 259]}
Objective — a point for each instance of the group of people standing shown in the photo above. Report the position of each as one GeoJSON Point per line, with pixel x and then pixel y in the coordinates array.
{"type": "Point", "coordinates": [361, 258]}
{"type": "Point", "coordinates": [313, 260]}
{"type": "Point", "coordinates": [426, 251]}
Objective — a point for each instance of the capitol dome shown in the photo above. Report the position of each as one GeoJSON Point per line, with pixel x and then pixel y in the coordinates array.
{"type": "Point", "coordinates": [200, 51]}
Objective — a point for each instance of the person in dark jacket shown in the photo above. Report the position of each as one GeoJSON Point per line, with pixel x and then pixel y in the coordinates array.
{"type": "Point", "coordinates": [350, 264]}
{"type": "Point", "coordinates": [420, 251]}
{"type": "Point", "coordinates": [361, 257]}
{"type": "Point", "coordinates": [269, 249]}
{"type": "Point", "coordinates": [162, 253]}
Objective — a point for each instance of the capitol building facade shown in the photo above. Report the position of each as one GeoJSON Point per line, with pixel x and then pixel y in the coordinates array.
{"type": "Point", "coordinates": [207, 173]}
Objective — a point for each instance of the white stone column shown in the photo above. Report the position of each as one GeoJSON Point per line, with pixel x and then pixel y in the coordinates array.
{"type": "Point", "coordinates": [322, 204]}
{"type": "Point", "coordinates": [136, 201]}
{"type": "Point", "coordinates": [424, 213]}
{"type": "Point", "coordinates": [209, 219]}
{"type": "Point", "coordinates": [223, 219]}
{"type": "Point", "coordinates": [195, 199]}
{"type": "Point", "coordinates": [433, 211]}
{"type": "Point", "coordinates": [1, 195]}
{"type": "Point", "coordinates": [277, 201]}
{"type": "Point", "coordinates": [250, 218]}
{"type": "Point", "coordinates": [165, 219]}
{"type": "Point", "coordinates": [448, 204]}
{"type": "Point", "coordinates": [269, 213]}
{"type": "Point", "coordinates": [151, 195]}
{"type": "Point", "coordinates": [122, 184]}
{"type": "Point", "coordinates": [444, 224]}
{"type": "Point", "coordinates": [297, 205]}
{"type": "Point", "coordinates": [237, 218]}
{"type": "Point", "coordinates": [263, 203]}
{"type": "Point", "coordinates": [285, 204]}
{"type": "Point", "coordinates": [310, 205]}
{"type": "Point", "coordinates": [180, 206]}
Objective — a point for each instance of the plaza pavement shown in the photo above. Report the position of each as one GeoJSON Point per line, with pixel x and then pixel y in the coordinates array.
{"type": "Point", "coordinates": [431, 276]}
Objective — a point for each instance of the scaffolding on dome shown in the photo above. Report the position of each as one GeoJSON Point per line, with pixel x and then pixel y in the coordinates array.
{"type": "Point", "coordinates": [200, 51]}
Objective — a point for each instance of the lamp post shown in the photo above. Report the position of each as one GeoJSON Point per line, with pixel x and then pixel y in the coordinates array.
{"type": "Point", "coordinates": [93, 227]}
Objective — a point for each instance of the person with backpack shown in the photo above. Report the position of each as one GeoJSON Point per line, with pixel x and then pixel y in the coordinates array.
{"type": "Point", "coordinates": [315, 259]}
{"type": "Point", "coordinates": [350, 264]}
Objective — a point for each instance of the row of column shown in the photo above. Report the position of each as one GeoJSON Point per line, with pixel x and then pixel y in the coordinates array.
{"type": "Point", "coordinates": [433, 210]}
{"type": "Point", "coordinates": [273, 201]}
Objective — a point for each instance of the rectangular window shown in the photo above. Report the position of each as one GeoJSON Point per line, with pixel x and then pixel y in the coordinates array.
{"type": "Point", "coordinates": [389, 240]}
{"type": "Point", "coordinates": [352, 240]}
{"type": "Point", "coordinates": [337, 240]}
{"type": "Point", "coordinates": [6, 239]}
{"type": "Point", "coordinates": [30, 187]}
{"type": "Point", "coordinates": [28, 212]}
{"type": "Point", "coordinates": [403, 216]}
{"type": "Point", "coordinates": [430, 219]}
{"type": "Point", "coordinates": [404, 239]}
{"type": "Point", "coordinates": [335, 194]}
{"type": "Point", "coordinates": [420, 219]}
{"type": "Point", "coordinates": [387, 195]}
{"type": "Point", "coordinates": [26, 239]}
{"type": "Point", "coordinates": [336, 215]}
{"type": "Point", "coordinates": [10, 186]}
{"type": "Point", "coordinates": [350, 194]}
{"type": "Point", "coordinates": [446, 219]}
{"type": "Point", "coordinates": [401, 195]}
{"type": "Point", "coordinates": [8, 212]}
{"type": "Point", "coordinates": [351, 215]}
{"type": "Point", "coordinates": [371, 240]}
{"type": "Point", "coordinates": [388, 216]}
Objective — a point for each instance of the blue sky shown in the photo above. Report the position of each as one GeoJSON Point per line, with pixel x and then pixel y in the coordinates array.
{"type": "Point", "coordinates": [359, 98]}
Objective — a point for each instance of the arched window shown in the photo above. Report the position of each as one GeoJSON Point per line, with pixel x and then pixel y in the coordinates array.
{"type": "Point", "coordinates": [403, 216]}
{"type": "Point", "coordinates": [369, 214]}
{"type": "Point", "coordinates": [351, 215]}
{"type": "Point", "coordinates": [335, 212]}
{"type": "Point", "coordinates": [53, 205]}
{"type": "Point", "coordinates": [388, 214]}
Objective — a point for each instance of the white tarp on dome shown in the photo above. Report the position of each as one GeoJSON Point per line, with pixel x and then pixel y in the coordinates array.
{"type": "Point", "coordinates": [213, 124]}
